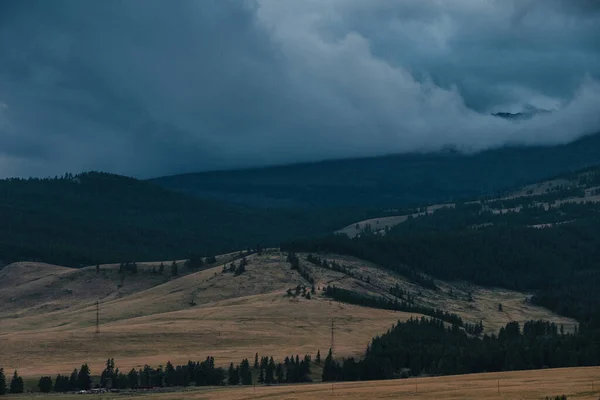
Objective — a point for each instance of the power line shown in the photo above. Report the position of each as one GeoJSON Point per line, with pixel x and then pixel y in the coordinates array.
{"type": "Point", "coordinates": [332, 336]}
{"type": "Point", "coordinates": [97, 316]}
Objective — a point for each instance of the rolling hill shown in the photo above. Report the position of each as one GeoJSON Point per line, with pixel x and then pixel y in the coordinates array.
{"type": "Point", "coordinates": [392, 181]}
{"type": "Point", "coordinates": [48, 312]}
{"type": "Point", "coordinates": [101, 218]}
{"type": "Point", "coordinates": [91, 218]}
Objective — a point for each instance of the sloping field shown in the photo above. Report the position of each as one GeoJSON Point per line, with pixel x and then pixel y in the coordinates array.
{"type": "Point", "coordinates": [151, 319]}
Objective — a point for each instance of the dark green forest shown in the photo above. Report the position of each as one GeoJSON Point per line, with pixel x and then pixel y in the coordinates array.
{"type": "Point", "coordinates": [394, 181]}
{"type": "Point", "coordinates": [559, 264]}
{"type": "Point", "coordinates": [101, 218]}
{"type": "Point", "coordinates": [427, 347]}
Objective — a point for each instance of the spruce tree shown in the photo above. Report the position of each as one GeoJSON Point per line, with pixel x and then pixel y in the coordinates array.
{"type": "Point", "coordinates": [233, 377]}
{"type": "Point", "coordinates": [280, 374]}
{"type": "Point", "coordinates": [73, 385]}
{"type": "Point", "coordinates": [318, 358]}
{"type": "Point", "coordinates": [245, 373]}
{"type": "Point", "coordinates": [169, 374]}
{"type": "Point", "coordinates": [45, 384]}
{"type": "Point", "coordinates": [2, 382]}
{"type": "Point", "coordinates": [84, 380]}
{"type": "Point", "coordinates": [329, 368]}
{"type": "Point", "coordinates": [270, 372]}
{"type": "Point", "coordinates": [133, 378]}
{"type": "Point", "coordinates": [256, 361]}
{"type": "Point", "coordinates": [174, 271]}
{"type": "Point", "coordinates": [16, 384]}
{"type": "Point", "coordinates": [161, 268]}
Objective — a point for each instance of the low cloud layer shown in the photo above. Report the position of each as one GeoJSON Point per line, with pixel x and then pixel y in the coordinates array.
{"type": "Point", "coordinates": [148, 88]}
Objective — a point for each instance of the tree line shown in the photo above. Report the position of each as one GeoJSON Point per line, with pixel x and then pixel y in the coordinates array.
{"type": "Point", "coordinates": [204, 373]}
{"type": "Point", "coordinates": [362, 299]}
{"type": "Point", "coordinates": [426, 346]}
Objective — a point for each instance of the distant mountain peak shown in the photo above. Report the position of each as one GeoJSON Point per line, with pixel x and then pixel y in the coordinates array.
{"type": "Point", "coordinates": [527, 113]}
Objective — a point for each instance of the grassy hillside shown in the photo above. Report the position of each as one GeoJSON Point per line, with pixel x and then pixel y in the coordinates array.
{"type": "Point", "coordinates": [393, 181]}
{"type": "Point", "coordinates": [48, 313]}
{"type": "Point", "coordinates": [543, 238]}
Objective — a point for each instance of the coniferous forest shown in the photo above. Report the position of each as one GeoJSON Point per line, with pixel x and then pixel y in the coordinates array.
{"type": "Point", "coordinates": [557, 263]}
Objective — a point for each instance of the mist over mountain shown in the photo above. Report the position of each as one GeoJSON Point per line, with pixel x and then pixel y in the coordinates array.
{"type": "Point", "coordinates": [151, 88]}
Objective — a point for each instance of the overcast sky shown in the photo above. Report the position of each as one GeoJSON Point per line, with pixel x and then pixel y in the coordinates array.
{"type": "Point", "coordinates": [149, 88]}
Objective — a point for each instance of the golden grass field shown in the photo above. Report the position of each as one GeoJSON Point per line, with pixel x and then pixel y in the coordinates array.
{"type": "Point", "coordinates": [48, 314]}
{"type": "Point", "coordinates": [575, 383]}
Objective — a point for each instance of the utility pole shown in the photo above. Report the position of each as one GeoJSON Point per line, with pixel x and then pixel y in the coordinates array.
{"type": "Point", "coordinates": [97, 316]}
{"type": "Point", "coordinates": [332, 336]}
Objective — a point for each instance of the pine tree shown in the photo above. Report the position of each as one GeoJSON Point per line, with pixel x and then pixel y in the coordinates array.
{"type": "Point", "coordinates": [161, 268]}
{"type": "Point", "coordinates": [270, 372]}
{"type": "Point", "coordinates": [280, 374]}
{"type": "Point", "coordinates": [2, 382]}
{"type": "Point", "coordinates": [174, 271]}
{"type": "Point", "coordinates": [169, 374]}
{"type": "Point", "coordinates": [318, 358]}
{"type": "Point", "coordinates": [245, 373]}
{"type": "Point", "coordinates": [133, 378]}
{"type": "Point", "coordinates": [256, 361]}
{"type": "Point", "coordinates": [97, 268]}
{"type": "Point", "coordinates": [233, 377]}
{"type": "Point", "coordinates": [84, 380]}
{"type": "Point", "coordinates": [45, 384]}
{"type": "Point", "coordinates": [329, 368]}
{"type": "Point", "coordinates": [16, 384]}
{"type": "Point", "coordinates": [73, 385]}
{"type": "Point", "coordinates": [107, 377]}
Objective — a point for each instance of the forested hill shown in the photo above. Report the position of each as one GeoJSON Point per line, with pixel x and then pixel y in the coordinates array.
{"type": "Point", "coordinates": [100, 218]}
{"type": "Point", "coordinates": [547, 243]}
{"type": "Point", "coordinates": [391, 181]}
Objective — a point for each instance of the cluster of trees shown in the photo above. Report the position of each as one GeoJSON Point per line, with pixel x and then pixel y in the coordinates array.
{"type": "Point", "coordinates": [292, 370]}
{"type": "Point", "coordinates": [334, 266]}
{"type": "Point", "coordinates": [426, 346]}
{"type": "Point", "coordinates": [96, 218]}
{"type": "Point", "coordinates": [78, 380]}
{"type": "Point", "coordinates": [16, 383]}
{"type": "Point", "coordinates": [295, 264]}
{"type": "Point", "coordinates": [236, 269]}
{"type": "Point", "coordinates": [353, 297]}
{"type": "Point", "coordinates": [301, 291]}
{"type": "Point", "coordinates": [204, 373]}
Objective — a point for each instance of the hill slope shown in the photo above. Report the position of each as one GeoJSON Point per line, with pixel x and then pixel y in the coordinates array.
{"type": "Point", "coordinates": [100, 218]}
{"type": "Point", "coordinates": [48, 318]}
{"type": "Point", "coordinates": [392, 181]}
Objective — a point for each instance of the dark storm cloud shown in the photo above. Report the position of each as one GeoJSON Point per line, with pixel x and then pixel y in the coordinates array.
{"type": "Point", "coordinates": [157, 87]}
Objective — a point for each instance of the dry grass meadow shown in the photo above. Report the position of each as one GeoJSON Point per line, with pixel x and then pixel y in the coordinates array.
{"type": "Point", "coordinates": [48, 314]}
